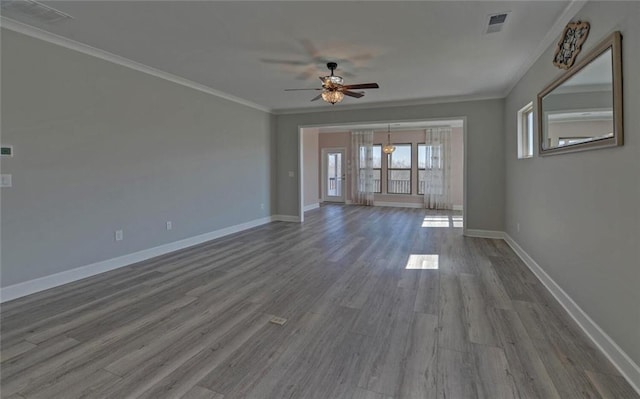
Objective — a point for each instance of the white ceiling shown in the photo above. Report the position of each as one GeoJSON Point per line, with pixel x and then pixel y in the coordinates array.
{"type": "Point", "coordinates": [416, 51]}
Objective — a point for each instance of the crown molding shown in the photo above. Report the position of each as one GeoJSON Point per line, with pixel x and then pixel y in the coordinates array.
{"type": "Point", "coordinates": [550, 38]}
{"type": "Point", "coordinates": [49, 37]}
{"type": "Point", "coordinates": [389, 104]}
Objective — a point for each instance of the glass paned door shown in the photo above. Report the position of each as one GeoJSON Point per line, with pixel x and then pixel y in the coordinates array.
{"type": "Point", "coordinates": [334, 175]}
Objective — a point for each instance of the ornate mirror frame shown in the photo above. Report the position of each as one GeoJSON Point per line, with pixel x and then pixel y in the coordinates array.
{"type": "Point", "coordinates": [614, 43]}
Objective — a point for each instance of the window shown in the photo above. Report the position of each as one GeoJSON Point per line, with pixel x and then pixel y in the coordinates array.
{"type": "Point", "coordinates": [399, 170]}
{"type": "Point", "coordinates": [377, 168]}
{"type": "Point", "coordinates": [429, 159]}
{"type": "Point", "coordinates": [525, 132]}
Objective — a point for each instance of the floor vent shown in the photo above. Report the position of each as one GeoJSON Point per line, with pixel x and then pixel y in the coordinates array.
{"type": "Point", "coordinates": [278, 320]}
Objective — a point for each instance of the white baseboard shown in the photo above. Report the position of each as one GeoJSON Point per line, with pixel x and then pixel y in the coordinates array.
{"type": "Point", "coordinates": [399, 204]}
{"type": "Point", "coordinates": [285, 218]}
{"type": "Point", "coordinates": [625, 365]}
{"type": "Point", "coordinates": [311, 207]}
{"type": "Point", "coordinates": [484, 234]}
{"type": "Point", "coordinates": [43, 283]}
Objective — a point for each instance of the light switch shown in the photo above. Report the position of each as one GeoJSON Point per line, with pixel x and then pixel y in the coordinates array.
{"type": "Point", "coordinates": [291, 173]}
{"type": "Point", "coordinates": [5, 181]}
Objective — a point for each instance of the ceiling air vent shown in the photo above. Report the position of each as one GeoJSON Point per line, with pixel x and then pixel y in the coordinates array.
{"type": "Point", "coordinates": [496, 22]}
{"type": "Point", "coordinates": [33, 10]}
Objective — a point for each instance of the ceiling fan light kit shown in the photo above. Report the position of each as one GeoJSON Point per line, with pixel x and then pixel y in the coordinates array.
{"type": "Point", "coordinates": [333, 90]}
{"type": "Point", "coordinates": [332, 96]}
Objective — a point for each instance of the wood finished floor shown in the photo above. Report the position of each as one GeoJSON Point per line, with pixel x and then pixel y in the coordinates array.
{"type": "Point", "coordinates": [195, 323]}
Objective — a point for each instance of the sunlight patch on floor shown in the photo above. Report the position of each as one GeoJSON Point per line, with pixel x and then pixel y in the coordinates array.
{"type": "Point", "coordinates": [442, 221]}
{"type": "Point", "coordinates": [423, 262]}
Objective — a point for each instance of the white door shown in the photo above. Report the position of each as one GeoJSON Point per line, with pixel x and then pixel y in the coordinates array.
{"type": "Point", "coordinates": [333, 175]}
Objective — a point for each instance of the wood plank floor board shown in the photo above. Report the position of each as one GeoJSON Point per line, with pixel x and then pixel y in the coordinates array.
{"type": "Point", "coordinates": [87, 387]}
{"type": "Point", "coordinates": [254, 372]}
{"type": "Point", "coordinates": [241, 371]}
{"type": "Point", "coordinates": [480, 329]}
{"type": "Point", "coordinates": [194, 323]}
{"type": "Point", "coordinates": [360, 393]}
{"type": "Point", "coordinates": [16, 350]}
{"type": "Point", "coordinates": [419, 378]}
{"type": "Point", "coordinates": [134, 311]}
{"type": "Point", "coordinates": [495, 378]}
{"type": "Point", "coordinates": [298, 366]}
{"type": "Point", "coordinates": [87, 357]}
{"type": "Point", "coordinates": [338, 371]}
{"type": "Point", "coordinates": [458, 376]}
{"type": "Point", "coordinates": [99, 311]}
{"type": "Point", "coordinates": [384, 363]}
{"type": "Point", "coordinates": [32, 358]}
{"type": "Point", "coordinates": [562, 334]}
{"type": "Point", "coordinates": [188, 374]}
{"type": "Point", "coordinates": [377, 312]}
{"type": "Point", "coordinates": [528, 371]}
{"type": "Point", "coordinates": [570, 381]}
{"type": "Point", "coordinates": [198, 392]}
{"type": "Point", "coordinates": [177, 339]}
{"type": "Point", "coordinates": [452, 321]}
{"type": "Point", "coordinates": [428, 292]}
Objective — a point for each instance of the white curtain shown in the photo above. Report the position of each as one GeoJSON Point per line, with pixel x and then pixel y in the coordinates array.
{"type": "Point", "coordinates": [437, 168]}
{"type": "Point", "coordinates": [362, 184]}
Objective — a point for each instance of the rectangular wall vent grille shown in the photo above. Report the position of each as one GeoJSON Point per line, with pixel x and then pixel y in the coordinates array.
{"type": "Point", "coordinates": [496, 22]}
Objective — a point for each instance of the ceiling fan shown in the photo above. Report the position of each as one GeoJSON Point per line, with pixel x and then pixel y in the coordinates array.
{"type": "Point", "coordinates": [333, 91]}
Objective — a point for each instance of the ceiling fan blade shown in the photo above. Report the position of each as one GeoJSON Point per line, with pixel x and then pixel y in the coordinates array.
{"type": "Point", "coordinates": [362, 86]}
{"type": "Point", "coordinates": [352, 93]}
{"type": "Point", "coordinates": [316, 97]}
{"type": "Point", "coordinates": [304, 75]}
{"type": "Point", "coordinates": [311, 50]}
{"type": "Point", "coordinates": [283, 62]}
{"type": "Point", "coordinates": [300, 89]}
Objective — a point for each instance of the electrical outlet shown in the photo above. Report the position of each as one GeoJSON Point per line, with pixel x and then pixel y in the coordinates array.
{"type": "Point", "coordinates": [261, 206]}
{"type": "Point", "coordinates": [6, 181]}
{"type": "Point", "coordinates": [119, 235]}
{"type": "Point", "coordinates": [169, 224]}
{"type": "Point", "coordinates": [291, 174]}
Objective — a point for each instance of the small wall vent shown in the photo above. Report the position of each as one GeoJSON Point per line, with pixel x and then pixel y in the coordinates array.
{"type": "Point", "coordinates": [33, 10]}
{"type": "Point", "coordinates": [496, 22]}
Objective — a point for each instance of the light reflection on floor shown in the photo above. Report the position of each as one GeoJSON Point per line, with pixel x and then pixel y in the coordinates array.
{"type": "Point", "coordinates": [442, 221]}
{"type": "Point", "coordinates": [423, 262]}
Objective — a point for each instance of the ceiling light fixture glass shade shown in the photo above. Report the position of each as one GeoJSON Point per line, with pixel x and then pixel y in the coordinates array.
{"type": "Point", "coordinates": [333, 79]}
{"type": "Point", "coordinates": [332, 97]}
{"type": "Point", "coordinates": [388, 148]}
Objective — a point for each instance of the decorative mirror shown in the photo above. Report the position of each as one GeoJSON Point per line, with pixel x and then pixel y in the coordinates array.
{"type": "Point", "coordinates": [582, 109]}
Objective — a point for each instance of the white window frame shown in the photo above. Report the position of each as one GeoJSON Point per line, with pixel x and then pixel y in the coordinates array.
{"type": "Point", "coordinates": [525, 131]}
{"type": "Point", "coordinates": [410, 169]}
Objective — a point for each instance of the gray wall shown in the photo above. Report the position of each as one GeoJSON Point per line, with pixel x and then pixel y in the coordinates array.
{"type": "Point", "coordinates": [100, 147]}
{"type": "Point", "coordinates": [485, 152]}
{"type": "Point", "coordinates": [579, 213]}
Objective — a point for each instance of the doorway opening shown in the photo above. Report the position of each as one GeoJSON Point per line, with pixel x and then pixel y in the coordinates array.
{"type": "Point", "coordinates": [325, 164]}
